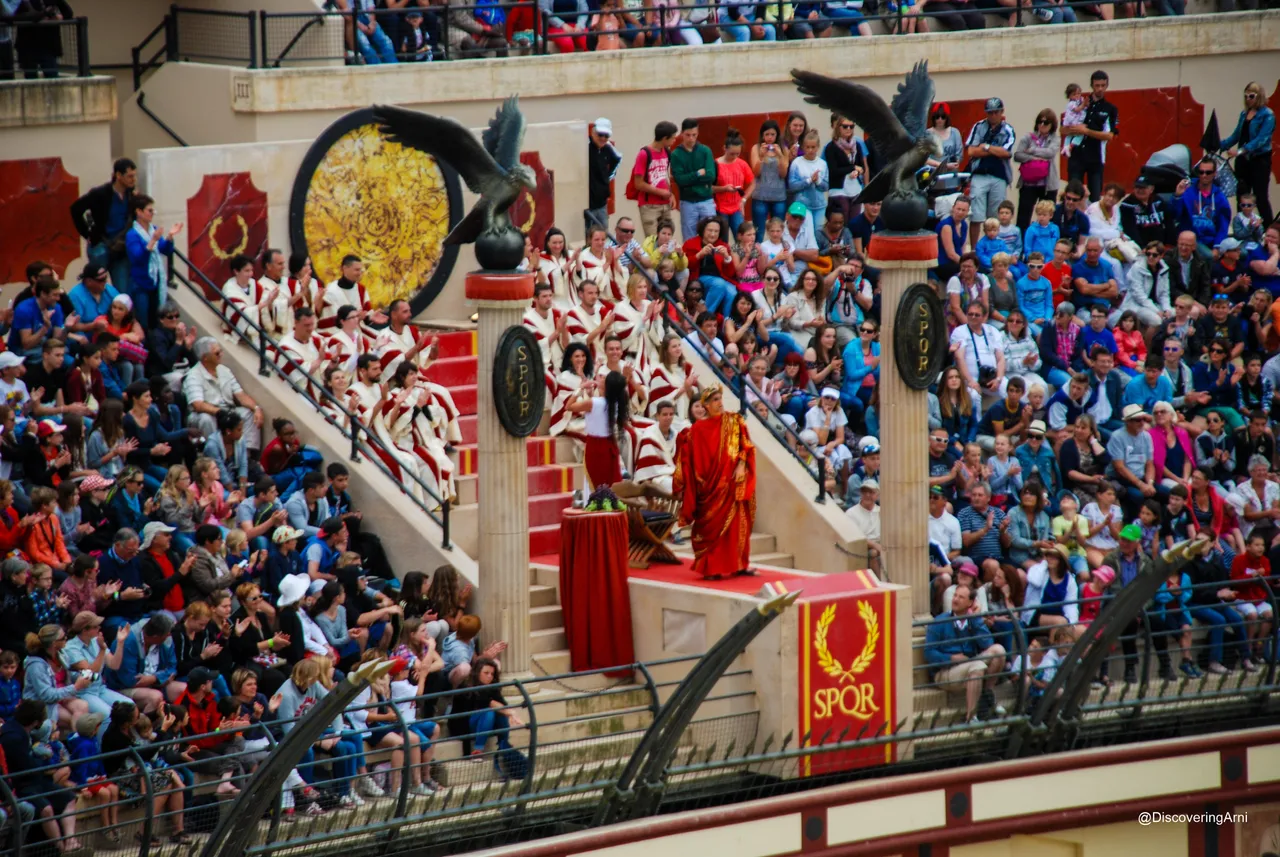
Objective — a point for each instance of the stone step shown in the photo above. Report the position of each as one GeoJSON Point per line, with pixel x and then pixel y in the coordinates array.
{"type": "Point", "coordinates": [461, 343]}
{"type": "Point", "coordinates": [464, 396]}
{"type": "Point", "coordinates": [544, 509]}
{"type": "Point", "coordinates": [454, 371]}
{"type": "Point", "coordinates": [544, 539]}
{"type": "Point", "coordinates": [543, 479]}
{"type": "Point", "coordinates": [546, 618]}
{"type": "Point", "coordinates": [541, 449]}
{"type": "Point", "coordinates": [543, 596]}
{"type": "Point", "coordinates": [544, 575]}
{"type": "Point", "coordinates": [547, 640]}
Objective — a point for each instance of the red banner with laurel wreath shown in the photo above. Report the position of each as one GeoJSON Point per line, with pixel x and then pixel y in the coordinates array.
{"type": "Point", "coordinates": [226, 216]}
{"type": "Point", "coordinates": [847, 687]}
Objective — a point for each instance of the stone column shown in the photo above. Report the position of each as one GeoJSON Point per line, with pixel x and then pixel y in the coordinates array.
{"type": "Point", "coordinates": [903, 259]}
{"type": "Point", "coordinates": [501, 300]}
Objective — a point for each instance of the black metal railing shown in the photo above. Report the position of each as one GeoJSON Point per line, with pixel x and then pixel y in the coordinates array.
{"type": "Point", "coordinates": [48, 48]}
{"type": "Point", "coordinates": [1146, 638]}
{"type": "Point", "coordinates": [366, 446]}
{"type": "Point", "coordinates": [263, 39]}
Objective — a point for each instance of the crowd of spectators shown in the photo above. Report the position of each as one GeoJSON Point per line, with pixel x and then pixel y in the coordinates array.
{"type": "Point", "coordinates": [1112, 374]}
{"type": "Point", "coordinates": [391, 31]}
{"type": "Point", "coordinates": [174, 558]}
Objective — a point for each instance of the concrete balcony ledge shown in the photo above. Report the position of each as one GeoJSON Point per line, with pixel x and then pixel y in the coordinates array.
{"type": "Point", "coordinates": [343, 88]}
{"type": "Point", "coordinates": [63, 101]}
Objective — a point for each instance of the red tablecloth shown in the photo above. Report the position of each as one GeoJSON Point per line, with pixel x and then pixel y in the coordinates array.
{"type": "Point", "coordinates": [593, 589]}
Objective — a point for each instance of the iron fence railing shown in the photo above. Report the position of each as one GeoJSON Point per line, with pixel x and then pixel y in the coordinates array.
{"type": "Point", "coordinates": [47, 48]}
{"type": "Point", "coordinates": [560, 761]}
{"type": "Point", "coordinates": [366, 446]}
{"type": "Point", "coordinates": [266, 39]}
{"type": "Point", "coordinates": [1144, 638]}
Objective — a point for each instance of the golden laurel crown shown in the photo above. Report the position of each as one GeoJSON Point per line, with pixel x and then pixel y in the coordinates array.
{"type": "Point", "coordinates": [829, 664]}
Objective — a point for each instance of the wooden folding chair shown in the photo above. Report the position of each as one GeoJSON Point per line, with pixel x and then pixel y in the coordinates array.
{"type": "Point", "coordinates": [647, 536]}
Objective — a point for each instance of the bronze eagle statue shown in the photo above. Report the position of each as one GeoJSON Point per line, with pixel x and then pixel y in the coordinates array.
{"type": "Point", "coordinates": [490, 166]}
{"type": "Point", "coordinates": [899, 132]}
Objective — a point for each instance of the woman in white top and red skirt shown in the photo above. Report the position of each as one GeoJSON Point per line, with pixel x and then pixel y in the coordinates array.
{"type": "Point", "coordinates": [606, 417]}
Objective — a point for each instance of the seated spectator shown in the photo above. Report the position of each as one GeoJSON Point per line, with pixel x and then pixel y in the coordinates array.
{"type": "Point", "coordinates": [227, 447]}
{"type": "Point", "coordinates": [209, 572]}
{"type": "Point", "coordinates": [125, 505]}
{"type": "Point", "coordinates": [739, 23]}
{"type": "Point", "coordinates": [54, 807]}
{"type": "Point", "coordinates": [44, 542]}
{"type": "Point", "coordinates": [86, 654]}
{"type": "Point", "coordinates": [132, 348]}
{"type": "Point", "coordinates": [285, 458]}
{"type": "Point", "coordinates": [216, 752]}
{"type": "Point", "coordinates": [154, 452]}
{"type": "Point", "coordinates": [324, 548]}
{"type": "Point", "coordinates": [960, 651]}
{"type": "Point", "coordinates": [307, 507]}
{"type": "Point", "coordinates": [984, 530]}
{"type": "Point", "coordinates": [47, 379]}
{"type": "Point", "coordinates": [1094, 281]}
{"type": "Point", "coordinates": [147, 666]}
{"type": "Point", "coordinates": [46, 460]}
{"type": "Point", "coordinates": [210, 387]}
{"type": "Point", "coordinates": [1109, 386]}
{"type": "Point", "coordinates": [37, 320]}
{"type": "Point", "coordinates": [170, 343]}
{"type": "Point", "coordinates": [1189, 272]}
{"type": "Point", "coordinates": [866, 514]}
{"type": "Point", "coordinates": [1051, 596]}
{"type": "Point", "coordinates": [178, 509]}
{"type": "Point", "coordinates": [258, 516]}
{"type": "Point", "coordinates": [1039, 463]}
{"type": "Point", "coordinates": [216, 505]}
{"type": "Point", "coordinates": [122, 565]}
{"type": "Point", "coordinates": [165, 571]}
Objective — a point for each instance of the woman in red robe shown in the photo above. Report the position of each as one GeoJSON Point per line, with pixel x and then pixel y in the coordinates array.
{"type": "Point", "coordinates": [715, 479]}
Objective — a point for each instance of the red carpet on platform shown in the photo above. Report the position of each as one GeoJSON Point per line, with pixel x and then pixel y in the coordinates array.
{"type": "Point", "coordinates": [790, 579]}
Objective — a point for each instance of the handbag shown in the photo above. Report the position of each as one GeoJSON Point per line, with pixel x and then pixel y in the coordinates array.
{"type": "Point", "coordinates": [133, 352]}
{"type": "Point", "coordinates": [1034, 172]}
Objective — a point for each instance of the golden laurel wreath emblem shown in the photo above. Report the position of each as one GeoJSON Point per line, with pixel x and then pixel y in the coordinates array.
{"type": "Point", "coordinates": [829, 664]}
{"type": "Point", "coordinates": [218, 252]}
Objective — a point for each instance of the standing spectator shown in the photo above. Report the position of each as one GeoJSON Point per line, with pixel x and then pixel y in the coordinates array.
{"type": "Point", "coordinates": [770, 162]}
{"type": "Point", "coordinates": [102, 218]}
{"type": "Point", "coordinates": [808, 180]}
{"type": "Point", "coordinates": [989, 147]}
{"type": "Point", "coordinates": [693, 169]}
{"type": "Point", "coordinates": [847, 164]}
{"type": "Point", "coordinates": [146, 244]}
{"type": "Point", "coordinates": [953, 235]}
{"type": "Point", "coordinates": [1101, 124]}
{"type": "Point", "coordinates": [735, 179]}
{"type": "Point", "coordinates": [602, 164]}
{"type": "Point", "coordinates": [1250, 145]}
{"type": "Point", "coordinates": [651, 178]}
{"type": "Point", "coordinates": [948, 138]}
{"type": "Point", "coordinates": [1037, 155]}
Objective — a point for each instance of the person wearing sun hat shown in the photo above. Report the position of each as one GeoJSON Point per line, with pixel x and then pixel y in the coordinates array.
{"type": "Point", "coordinates": [1133, 455]}
{"type": "Point", "coordinates": [1052, 596]}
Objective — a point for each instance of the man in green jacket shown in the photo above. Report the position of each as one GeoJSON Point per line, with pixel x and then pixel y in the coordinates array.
{"type": "Point", "coordinates": [693, 169]}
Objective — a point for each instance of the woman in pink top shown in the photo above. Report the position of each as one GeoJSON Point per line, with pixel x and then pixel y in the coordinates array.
{"type": "Point", "coordinates": [1174, 457]}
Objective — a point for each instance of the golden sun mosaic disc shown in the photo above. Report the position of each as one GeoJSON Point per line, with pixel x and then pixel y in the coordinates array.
{"type": "Point", "coordinates": [386, 203]}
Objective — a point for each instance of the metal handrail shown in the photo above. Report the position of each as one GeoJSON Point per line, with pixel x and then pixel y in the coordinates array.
{"type": "Point", "coordinates": [79, 24]}
{"type": "Point", "coordinates": [139, 69]}
{"type": "Point", "coordinates": [266, 367]}
{"type": "Point", "coordinates": [742, 384]}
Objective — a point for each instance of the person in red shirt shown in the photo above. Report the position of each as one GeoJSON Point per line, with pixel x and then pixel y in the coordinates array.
{"type": "Point", "coordinates": [218, 742]}
{"type": "Point", "coordinates": [1058, 272]}
{"type": "Point", "coordinates": [1251, 601]}
{"type": "Point", "coordinates": [163, 569]}
{"type": "Point", "coordinates": [651, 177]}
{"type": "Point", "coordinates": [734, 178]}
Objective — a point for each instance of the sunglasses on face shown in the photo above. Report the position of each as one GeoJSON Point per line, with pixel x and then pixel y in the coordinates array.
{"type": "Point", "coordinates": [1034, 267]}
{"type": "Point", "coordinates": [1071, 198]}
{"type": "Point", "coordinates": [867, 329]}
{"type": "Point", "coordinates": [1246, 205]}
{"type": "Point", "coordinates": [1206, 172]}
{"type": "Point", "coordinates": [1152, 254]}
{"type": "Point", "coordinates": [846, 124]}
{"type": "Point", "coordinates": [1171, 351]}
{"type": "Point", "coordinates": [773, 279]}
{"type": "Point", "coordinates": [1045, 122]}
{"type": "Point", "coordinates": [622, 231]}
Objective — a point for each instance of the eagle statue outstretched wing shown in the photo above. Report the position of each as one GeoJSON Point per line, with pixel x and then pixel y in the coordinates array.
{"type": "Point", "coordinates": [490, 166]}
{"type": "Point", "coordinates": [899, 131]}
